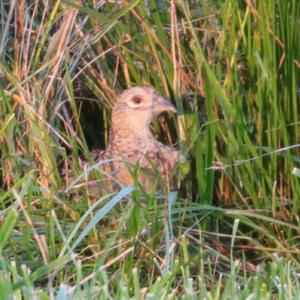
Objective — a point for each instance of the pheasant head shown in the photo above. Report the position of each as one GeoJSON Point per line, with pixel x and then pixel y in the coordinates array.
{"type": "Point", "coordinates": [135, 110]}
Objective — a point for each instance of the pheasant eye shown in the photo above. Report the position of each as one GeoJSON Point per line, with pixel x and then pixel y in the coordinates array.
{"type": "Point", "coordinates": [137, 100]}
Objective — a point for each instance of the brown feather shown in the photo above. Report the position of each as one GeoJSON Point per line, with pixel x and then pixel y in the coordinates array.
{"type": "Point", "coordinates": [131, 143]}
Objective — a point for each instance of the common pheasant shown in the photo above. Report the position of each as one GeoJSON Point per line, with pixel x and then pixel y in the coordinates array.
{"type": "Point", "coordinates": [132, 151]}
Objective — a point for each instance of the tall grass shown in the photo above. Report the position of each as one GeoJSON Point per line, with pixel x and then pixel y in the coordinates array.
{"type": "Point", "coordinates": [232, 70]}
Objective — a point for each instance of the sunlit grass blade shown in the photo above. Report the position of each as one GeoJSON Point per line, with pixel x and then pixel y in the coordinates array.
{"type": "Point", "coordinates": [7, 227]}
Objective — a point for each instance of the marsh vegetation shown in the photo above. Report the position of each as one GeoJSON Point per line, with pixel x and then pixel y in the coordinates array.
{"type": "Point", "coordinates": [231, 230]}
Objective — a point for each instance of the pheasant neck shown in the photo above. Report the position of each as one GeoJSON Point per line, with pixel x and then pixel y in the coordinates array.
{"type": "Point", "coordinates": [130, 136]}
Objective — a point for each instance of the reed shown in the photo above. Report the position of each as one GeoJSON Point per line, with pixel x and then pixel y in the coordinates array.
{"type": "Point", "coordinates": [232, 70]}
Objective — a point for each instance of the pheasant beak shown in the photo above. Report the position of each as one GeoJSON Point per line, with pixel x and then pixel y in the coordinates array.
{"type": "Point", "coordinates": [165, 105]}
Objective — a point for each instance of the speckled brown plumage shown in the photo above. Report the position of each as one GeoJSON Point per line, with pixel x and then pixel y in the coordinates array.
{"type": "Point", "coordinates": [132, 149]}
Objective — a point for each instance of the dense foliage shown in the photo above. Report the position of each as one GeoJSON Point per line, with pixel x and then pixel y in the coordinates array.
{"type": "Point", "coordinates": [232, 70]}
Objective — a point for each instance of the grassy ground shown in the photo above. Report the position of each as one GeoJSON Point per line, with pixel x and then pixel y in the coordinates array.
{"type": "Point", "coordinates": [232, 229]}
